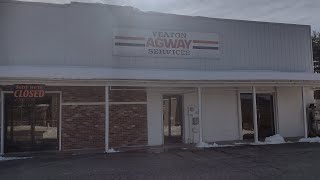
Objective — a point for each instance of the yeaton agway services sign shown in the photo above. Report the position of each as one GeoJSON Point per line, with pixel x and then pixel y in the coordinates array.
{"type": "Point", "coordinates": [164, 43]}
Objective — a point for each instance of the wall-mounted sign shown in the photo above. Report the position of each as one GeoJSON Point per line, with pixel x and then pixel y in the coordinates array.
{"type": "Point", "coordinates": [29, 90]}
{"type": "Point", "coordinates": [163, 43]}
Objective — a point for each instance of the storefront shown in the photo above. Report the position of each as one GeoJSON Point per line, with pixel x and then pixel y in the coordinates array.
{"type": "Point", "coordinates": [31, 123]}
{"type": "Point", "coordinates": [93, 76]}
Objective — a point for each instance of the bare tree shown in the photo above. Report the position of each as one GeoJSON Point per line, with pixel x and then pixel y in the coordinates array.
{"type": "Point", "coordinates": [316, 57]}
{"type": "Point", "coordinates": [316, 51]}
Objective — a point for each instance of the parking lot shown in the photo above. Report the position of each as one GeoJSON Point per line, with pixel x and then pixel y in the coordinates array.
{"type": "Point", "coordinates": [285, 161]}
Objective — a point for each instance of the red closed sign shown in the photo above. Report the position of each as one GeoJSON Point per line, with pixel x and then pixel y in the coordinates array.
{"type": "Point", "coordinates": [29, 90]}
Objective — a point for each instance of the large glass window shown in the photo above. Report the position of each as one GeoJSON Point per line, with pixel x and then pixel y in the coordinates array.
{"type": "Point", "coordinates": [32, 123]}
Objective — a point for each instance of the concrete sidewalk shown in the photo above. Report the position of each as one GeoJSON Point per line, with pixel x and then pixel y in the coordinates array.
{"type": "Point", "coordinates": [284, 161]}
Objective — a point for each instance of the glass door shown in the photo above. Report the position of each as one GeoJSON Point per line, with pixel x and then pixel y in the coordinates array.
{"type": "Point", "coordinates": [265, 115]}
{"type": "Point", "coordinates": [32, 124]}
{"type": "Point", "coordinates": [172, 119]}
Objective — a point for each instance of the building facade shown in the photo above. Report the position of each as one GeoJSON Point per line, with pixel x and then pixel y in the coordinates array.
{"type": "Point", "coordinates": [93, 76]}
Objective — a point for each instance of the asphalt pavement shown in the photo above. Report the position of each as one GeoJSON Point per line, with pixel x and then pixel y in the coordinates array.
{"type": "Point", "coordinates": [284, 161]}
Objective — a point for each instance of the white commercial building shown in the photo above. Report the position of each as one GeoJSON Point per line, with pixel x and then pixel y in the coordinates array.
{"type": "Point", "coordinates": [115, 76]}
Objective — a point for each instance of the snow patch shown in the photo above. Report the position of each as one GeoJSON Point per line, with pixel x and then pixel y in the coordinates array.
{"type": "Point", "coordinates": [12, 158]}
{"type": "Point", "coordinates": [310, 140]}
{"type": "Point", "coordinates": [275, 139]}
{"type": "Point", "coordinates": [50, 133]}
{"type": "Point", "coordinates": [259, 143]}
{"type": "Point", "coordinates": [241, 143]}
{"type": "Point", "coordinates": [206, 145]}
{"type": "Point", "coordinates": [111, 150]}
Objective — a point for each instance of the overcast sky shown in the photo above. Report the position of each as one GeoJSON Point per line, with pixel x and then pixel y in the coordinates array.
{"type": "Point", "coordinates": [285, 11]}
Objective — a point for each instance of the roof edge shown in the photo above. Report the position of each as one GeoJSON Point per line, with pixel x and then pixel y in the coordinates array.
{"type": "Point", "coordinates": [152, 13]}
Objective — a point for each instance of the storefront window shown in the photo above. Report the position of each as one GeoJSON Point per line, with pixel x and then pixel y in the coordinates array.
{"type": "Point", "coordinates": [32, 123]}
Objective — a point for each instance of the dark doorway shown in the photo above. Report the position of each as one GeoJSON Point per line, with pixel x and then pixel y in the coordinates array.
{"type": "Point", "coordinates": [31, 123]}
{"type": "Point", "coordinates": [172, 119]}
{"type": "Point", "coordinates": [265, 115]}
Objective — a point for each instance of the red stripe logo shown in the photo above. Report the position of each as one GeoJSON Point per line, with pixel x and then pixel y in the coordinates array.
{"type": "Point", "coordinates": [129, 38]}
{"type": "Point", "coordinates": [205, 42]}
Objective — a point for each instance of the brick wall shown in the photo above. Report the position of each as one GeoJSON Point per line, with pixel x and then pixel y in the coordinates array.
{"type": "Point", "coordinates": [128, 125]}
{"type": "Point", "coordinates": [127, 122]}
{"type": "Point", "coordinates": [127, 96]}
{"type": "Point", "coordinates": [83, 126]}
{"type": "Point", "coordinates": [80, 93]}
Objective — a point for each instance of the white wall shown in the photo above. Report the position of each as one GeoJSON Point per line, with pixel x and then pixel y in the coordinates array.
{"type": "Point", "coordinates": [189, 99]}
{"type": "Point", "coordinates": [220, 120]}
{"type": "Point", "coordinates": [220, 115]}
{"type": "Point", "coordinates": [154, 115]}
{"type": "Point", "coordinates": [290, 111]}
{"type": "Point", "coordinates": [80, 34]}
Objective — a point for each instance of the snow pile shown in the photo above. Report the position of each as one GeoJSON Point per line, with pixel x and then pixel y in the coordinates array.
{"type": "Point", "coordinates": [275, 139]}
{"type": "Point", "coordinates": [111, 150]}
{"type": "Point", "coordinates": [206, 145]}
{"type": "Point", "coordinates": [241, 143]}
{"type": "Point", "coordinates": [310, 140]}
{"type": "Point", "coordinates": [12, 158]}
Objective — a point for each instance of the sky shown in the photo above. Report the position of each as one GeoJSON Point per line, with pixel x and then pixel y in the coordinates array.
{"type": "Point", "coordinates": [283, 11]}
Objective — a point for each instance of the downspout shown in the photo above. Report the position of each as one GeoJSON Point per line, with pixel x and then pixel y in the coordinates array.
{"type": "Point", "coordinates": [200, 114]}
{"type": "Point", "coordinates": [255, 120]}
